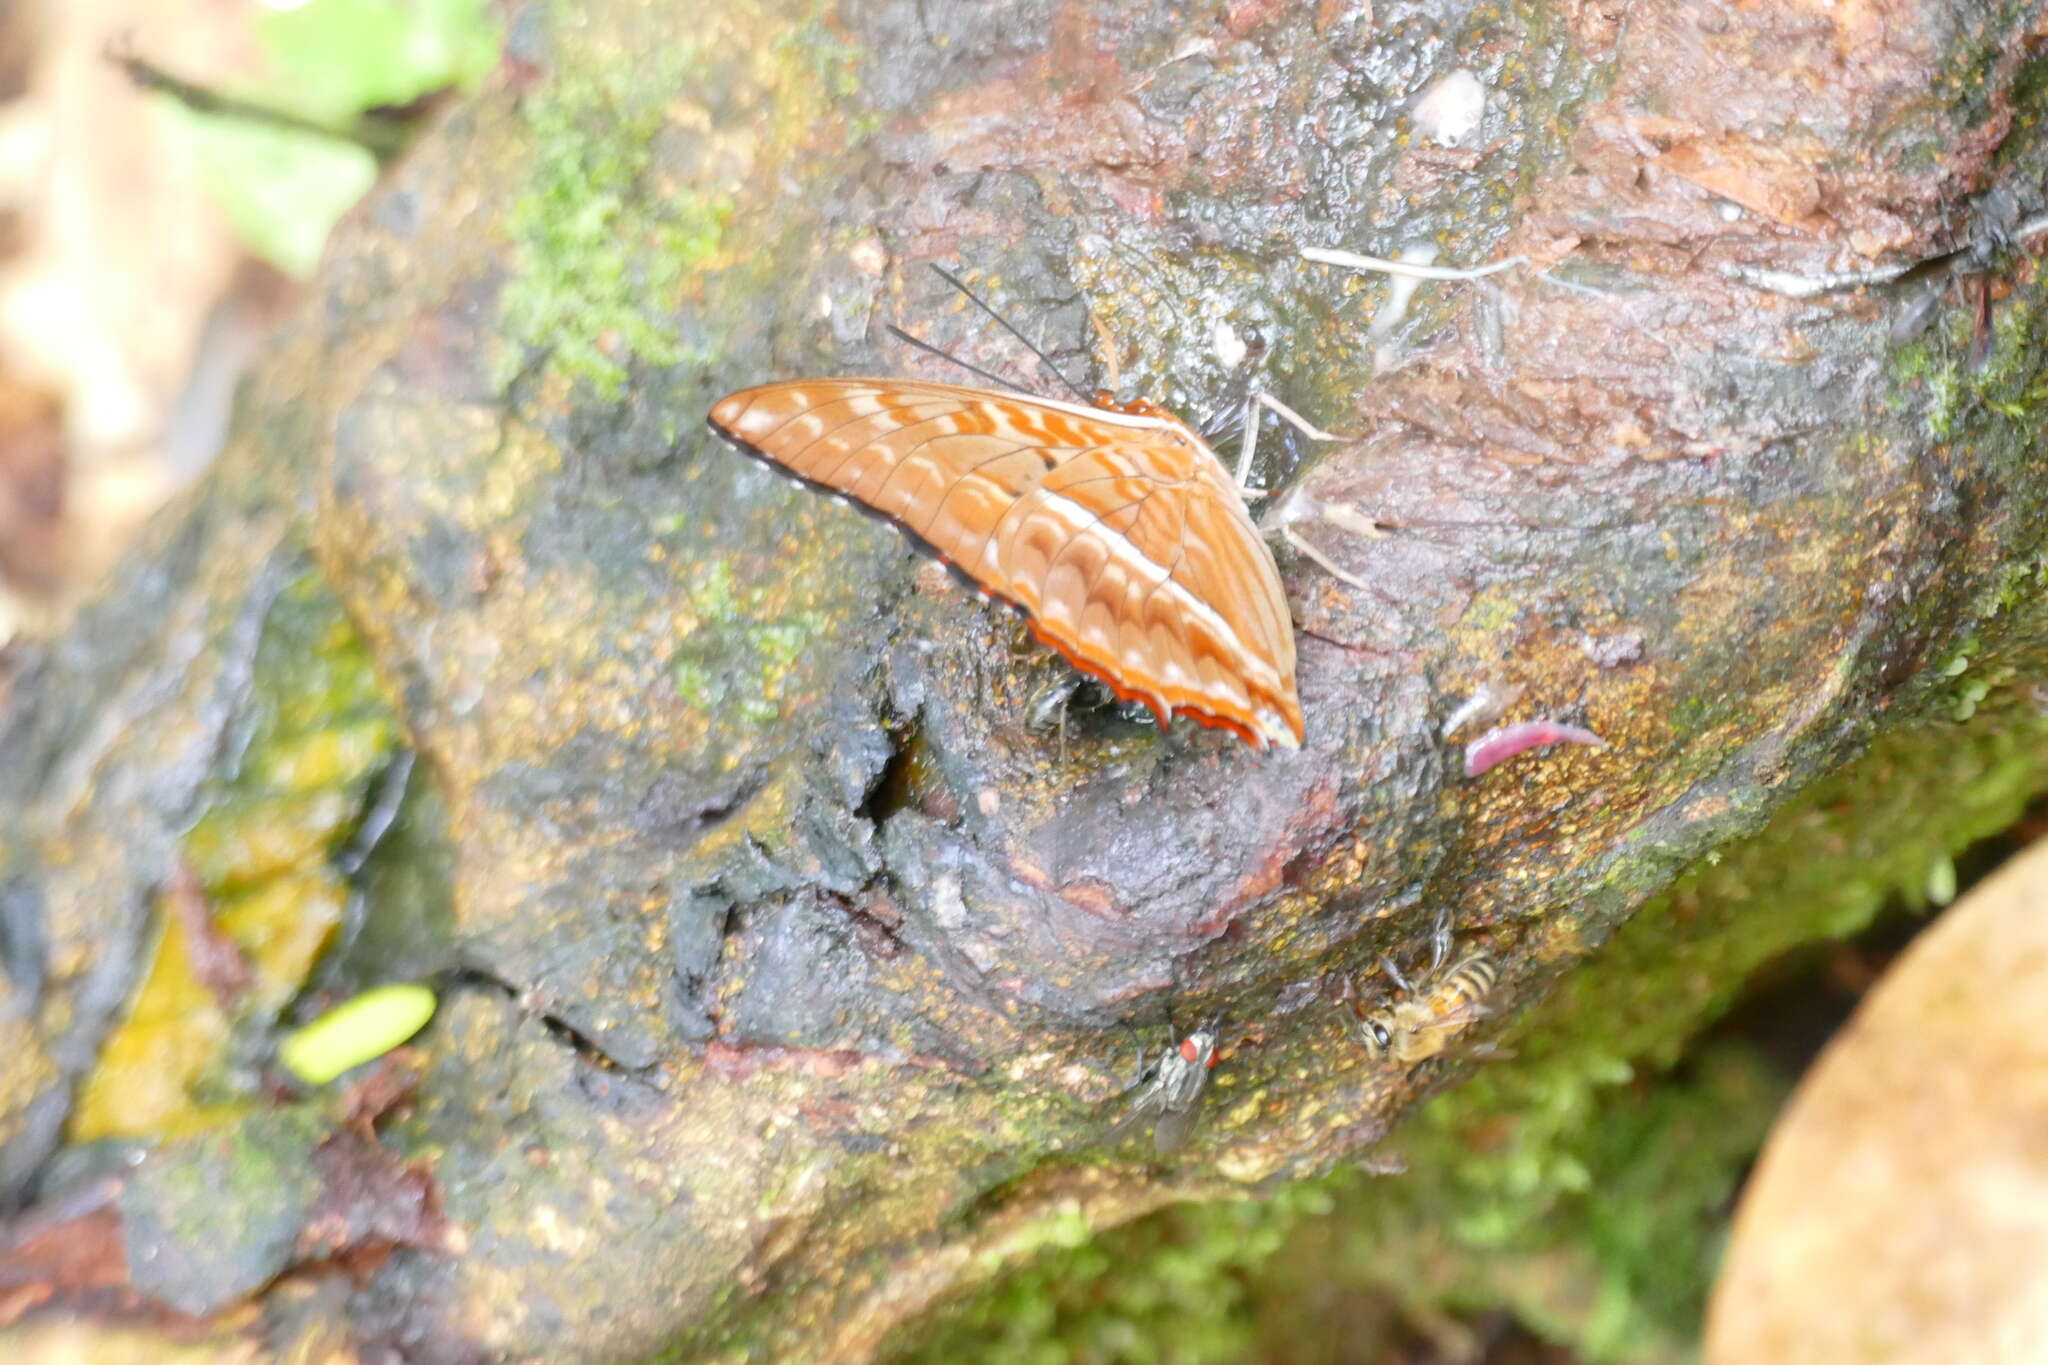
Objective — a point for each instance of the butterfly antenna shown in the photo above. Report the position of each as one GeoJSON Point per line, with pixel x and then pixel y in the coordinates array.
{"type": "Point", "coordinates": [929, 349]}
{"type": "Point", "coordinates": [1004, 323]}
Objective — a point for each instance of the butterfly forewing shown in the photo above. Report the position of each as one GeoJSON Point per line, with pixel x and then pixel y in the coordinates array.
{"type": "Point", "coordinates": [1119, 534]}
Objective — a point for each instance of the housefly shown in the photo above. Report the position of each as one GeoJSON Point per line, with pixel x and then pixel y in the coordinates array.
{"type": "Point", "coordinates": [1170, 1091]}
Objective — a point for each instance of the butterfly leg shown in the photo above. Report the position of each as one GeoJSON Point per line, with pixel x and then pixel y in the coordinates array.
{"type": "Point", "coordinates": [1292, 418]}
{"type": "Point", "coordinates": [1321, 560]}
{"type": "Point", "coordinates": [1260, 398]}
{"type": "Point", "coordinates": [1348, 518]}
{"type": "Point", "coordinates": [1345, 518]}
{"type": "Point", "coordinates": [1249, 445]}
{"type": "Point", "coordinates": [1414, 270]}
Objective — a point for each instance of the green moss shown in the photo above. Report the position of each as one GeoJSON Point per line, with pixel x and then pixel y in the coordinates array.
{"type": "Point", "coordinates": [738, 657]}
{"type": "Point", "coordinates": [2009, 384]}
{"type": "Point", "coordinates": [317, 730]}
{"type": "Point", "coordinates": [1062, 1229]}
{"type": "Point", "coordinates": [1961, 96]}
{"type": "Point", "coordinates": [2020, 582]}
{"type": "Point", "coordinates": [314, 733]}
{"type": "Point", "coordinates": [617, 220]}
{"type": "Point", "coordinates": [313, 684]}
{"type": "Point", "coordinates": [1492, 612]}
{"type": "Point", "coordinates": [1694, 714]}
{"type": "Point", "coordinates": [211, 1219]}
{"type": "Point", "coordinates": [1181, 1299]}
{"type": "Point", "coordinates": [601, 253]}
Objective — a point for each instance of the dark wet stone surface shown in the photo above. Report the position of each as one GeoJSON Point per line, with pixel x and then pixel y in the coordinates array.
{"type": "Point", "coordinates": [212, 1219]}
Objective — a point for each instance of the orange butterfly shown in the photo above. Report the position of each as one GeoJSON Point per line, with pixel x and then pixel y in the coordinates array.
{"type": "Point", "coordinates": [1115, 529]}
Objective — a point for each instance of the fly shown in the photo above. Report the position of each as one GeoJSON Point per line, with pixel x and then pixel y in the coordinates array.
{"type": "Point", "coordinates": [1170, 1091]}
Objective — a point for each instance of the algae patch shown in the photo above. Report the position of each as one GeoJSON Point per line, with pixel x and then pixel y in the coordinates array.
{"type": "Point", "coordinates": [736, 658]}
{"type": "Point", "coordinates": [602, 258]}
{"type": "Point", "coordinates": [314, 734]}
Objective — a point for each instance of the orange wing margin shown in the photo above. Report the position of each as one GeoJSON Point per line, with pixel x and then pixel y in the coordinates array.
{"type": "Point", "coordinates": [1119, 535]}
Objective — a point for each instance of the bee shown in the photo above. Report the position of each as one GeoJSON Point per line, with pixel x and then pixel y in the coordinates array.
{"type": "Point", "coordinates": [1421, 1024]}
{"type": "Point", "coordinates": [1170, 1091]}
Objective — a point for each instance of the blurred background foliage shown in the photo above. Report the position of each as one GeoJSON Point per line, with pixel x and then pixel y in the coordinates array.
{"type": "Point", "coordinates": [169, 173]}
{"type": "Point", "coordinates": [331, 63]}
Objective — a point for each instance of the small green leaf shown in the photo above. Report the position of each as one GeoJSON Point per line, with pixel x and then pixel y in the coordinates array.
{"type": "Point", "coordinates": [282, 190]}
{"type": "Point", "coordinates": [332, 59]}
{"type": "Point", "coordinates": [329, 61]}
{"type": "Point", "coordinates": [1964, 704]}
{"type": "Point", "coordinates": [355, 1032]}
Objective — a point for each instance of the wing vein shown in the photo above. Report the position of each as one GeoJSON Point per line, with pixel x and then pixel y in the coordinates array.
{"type": "Point", "coordinates": [1175, 559]}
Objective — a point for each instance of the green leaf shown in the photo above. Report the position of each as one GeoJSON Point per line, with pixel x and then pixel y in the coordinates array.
{"type": "Point", "coordinates": [282, 190]}
{"type": "Point", "coordinates": [329, 61]}
{"type": "Point", "coordinates": [355, 1032]}
{"type": "Point", "coordinates": [332, 59]}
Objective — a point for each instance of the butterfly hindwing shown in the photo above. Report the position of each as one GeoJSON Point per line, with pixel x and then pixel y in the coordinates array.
{"type": "Point", "coordinates": [1120, 535]}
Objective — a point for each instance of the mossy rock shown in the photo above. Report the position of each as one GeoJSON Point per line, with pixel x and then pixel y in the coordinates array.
{"type": "Point", "coordinates": [783, 964]}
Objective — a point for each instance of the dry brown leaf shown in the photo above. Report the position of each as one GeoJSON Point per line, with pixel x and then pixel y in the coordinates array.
{"type": "Point", "coordinates": [1900, 1211]}
{"type": "Point", "coordinates": [120, 274]}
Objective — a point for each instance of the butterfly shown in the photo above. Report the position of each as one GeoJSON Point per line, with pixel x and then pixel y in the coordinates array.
{"type": "Point", "coordinates": [1114, 528]}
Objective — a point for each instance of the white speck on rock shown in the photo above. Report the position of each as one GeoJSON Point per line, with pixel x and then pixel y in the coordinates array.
{"type": "Point", "coordinates": [1450, 110]}
{"type": "Point", "coordinates": [1228, 345]}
